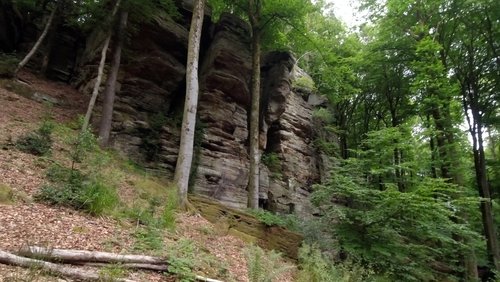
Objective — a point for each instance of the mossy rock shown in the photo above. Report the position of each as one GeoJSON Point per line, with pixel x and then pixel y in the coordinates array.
{"type": "Point", "coordinates": [302, 82]}
{"type": "Point", "coordinates": [249, 228]}
{"type": "Point", "coordinates": [6, 194]}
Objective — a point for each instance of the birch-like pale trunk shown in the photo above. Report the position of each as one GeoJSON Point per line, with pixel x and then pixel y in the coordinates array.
{"type": "Point", "coordinates": [37, 43]}
{"type": "Point", "coordinates": [253, 174]}
{"type": "Point", "coordinates": [185, 157]}
{"type": "Point", "coordinates": [62, 270]}
{"type": "Point", "coordinates": [100, 72]}
{"type": "Point", "coordinates": [110, 90]}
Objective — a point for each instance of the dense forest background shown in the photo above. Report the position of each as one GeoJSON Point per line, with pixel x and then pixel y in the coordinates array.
{"type": "Point", "coordinates": [411, 124]}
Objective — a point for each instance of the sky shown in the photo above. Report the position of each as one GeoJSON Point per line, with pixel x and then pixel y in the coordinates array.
{"type": "Point", "coordinates": [346, 11]}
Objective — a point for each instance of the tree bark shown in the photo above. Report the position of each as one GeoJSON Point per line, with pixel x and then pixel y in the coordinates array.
{"type": "Point", "coordinates": [110, 90]}
{"type": "Point", "coordinates": [37, 43]}
{"type": "Point", "coordinates": [254, 11]}
{"type": "Point", "coordinates": [71, 256]}
{"type": "Point", "coordinates": [185, 156]}
{"type": "Point", "coordinates": [100, 72]}
{"type": "Point", "coordinates": [90, 258]}
{"type": "Point", "coordinates": [470, 99]}
{"type": "Point", "coordinates": [97, 84]}
{"type": "Point", "coordinates": [66, 271]}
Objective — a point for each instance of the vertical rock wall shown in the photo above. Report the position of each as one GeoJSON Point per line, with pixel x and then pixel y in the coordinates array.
{"type": "Point", "coordinates": [149, 107]}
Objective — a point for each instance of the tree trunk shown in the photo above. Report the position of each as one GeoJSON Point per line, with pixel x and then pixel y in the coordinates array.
{"type": "Point", "coordinates": [71, 256]}
{"type": "Point", "coordinates": [37, 43]}
{"type": "Point", "coordinates": [90, 258]}
{"type": "Point", "coordinates": [51, 38]}
{"type": "Point", "coordinates": [486, 207]}
{"type": "Point", "coordinates": [253, 175]}
{"type": "Point", "coordinates": [109, 91]}
{"type": "Point", "coordinates": [100, 72]}
{"type": "Point", "coordinates": [97, 84]}
{"type": "Point", "coordinates": [185, 156]}
{"type": "Point", "coordinates": [66, 271]}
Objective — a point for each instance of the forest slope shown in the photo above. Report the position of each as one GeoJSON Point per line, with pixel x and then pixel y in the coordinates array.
{"type": "Point", "coordinates": [24, 221]}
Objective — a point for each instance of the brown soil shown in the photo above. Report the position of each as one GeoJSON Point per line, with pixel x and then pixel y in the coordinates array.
{"type": "Point", "coordinates": [27, 222]}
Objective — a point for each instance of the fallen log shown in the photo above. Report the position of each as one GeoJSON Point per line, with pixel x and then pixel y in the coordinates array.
{"type": "Point", "coordinates": [62, 270]}
{"type": "Point", "coordinates": [143, 266]}
{"type": "Point", "coordinates": [75, 256]}
{"type": "Point", "coordinates": [94, 258]}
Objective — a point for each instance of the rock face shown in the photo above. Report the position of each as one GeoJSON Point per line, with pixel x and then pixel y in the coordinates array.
{"type": "Point", "coordinates": [149, 107]}
{"type": "Point", "coordinates": [224, 100]}
{"type": "Point", "coordinates": [289, 124]}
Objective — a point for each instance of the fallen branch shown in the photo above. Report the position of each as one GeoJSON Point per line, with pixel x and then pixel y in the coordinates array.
{"type": "Point", "coordinates": [94, 258]}
{"type": "Point", "coordinates": [143, 266]}
{"type": "Point", "coordinates": [75, 256]}
{"type": "Point", "coordinates": [62, 270]}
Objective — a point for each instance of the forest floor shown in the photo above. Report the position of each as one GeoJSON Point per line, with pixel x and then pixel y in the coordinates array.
{"type": "Point", "coordinates": [27, 222]}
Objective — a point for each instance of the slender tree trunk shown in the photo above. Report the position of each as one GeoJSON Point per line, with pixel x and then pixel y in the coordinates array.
{"type": "Point", "coordinates": [38, 42]}
{"type": "Point", "coordinates": [253, 177]}
{"type": "Point", "coordinates": [432, 145]}
{"type": "Point", "coordinates": [484, 192]}
{"type": "Point", "coordinates": [51, 38]}
{"type": "Point", "coordinates": [100, 72]}
{"type": "Point", "coordinates": [110, 90]}
{"type": "Point", "coordinates": [97, 84]}
{"type": "Point", "coordinates": [185, 157]}
{"type": "Point", "coordinates": [470, 98]}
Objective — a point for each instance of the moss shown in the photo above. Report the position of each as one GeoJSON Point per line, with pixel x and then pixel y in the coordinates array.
{"type": "Point", "coordinates": [8, 65]}
{"type": "Point", "coordinates": [6, 194]}
{"type": "Point", "coordinates": [304, 83]}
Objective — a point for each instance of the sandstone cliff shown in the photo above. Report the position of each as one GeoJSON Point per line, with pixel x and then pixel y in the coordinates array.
{"type": "Point", "coordinates": [149, 106]}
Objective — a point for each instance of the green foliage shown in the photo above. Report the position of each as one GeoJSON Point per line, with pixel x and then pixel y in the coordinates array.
{"type": "Point", "coordinates": [323, 115]}
{"type": "Point", "coordinates": [264, 266]}
{"type": "Point", "coordinates": [6, 194]}
{"type": "Point", "coordinates": [154, 215]}
{"type": "Point", "coordinates": [304, 84]}
{"type": "Point", "coordinates": [185, 258]}
{"type": "Point", "coordinates": [8, 65]}
{"type": "Point", "coordinates": [83, 145]}
{"type": "Point", "coordinates": [272, 161]}
{"type": "Point", "coordinates": [148, 239]}
{"type": "Point", "coordinates": [168, 215]}
{"type": "Point", "coordinates": [38, 142]}
{"type": "Point", "coordinates": [314, 267]}
{"type": "Point", "coordinates": [182, 260]}
{"type": "Point", "coordinates": [288, 221]}
{"type": "Point", "coordinates": [386, 228]}
{"type": "Point", "coordinates": [91, 191]}
{"type": "Point", "coordinates": [111, 273]}
{"type": "Point", "coordinates": [69, 187]}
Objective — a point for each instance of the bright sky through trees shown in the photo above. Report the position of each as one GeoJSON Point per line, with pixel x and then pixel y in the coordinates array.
{"type": "Point", "coordinates": [346, 10]}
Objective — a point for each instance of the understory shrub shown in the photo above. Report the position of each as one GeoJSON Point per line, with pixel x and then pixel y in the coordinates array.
{"type": "Point", "coordinates": [155, 214]}
{"type": "Point", "coordinates": [73, 189]}
{"type": "Point", "coordinates": [315, 267]}
{"type": "Point", "coordinates": [396, 233]}
{"type": "Point", "coordinates": [288, 221]}
{"type": "Point", "coordinates": [38, 142]}
{"type": "Point", "coordinates": [85, 185]}
{"type": "Point", "coordinates": [264, 266]}
{"type": "Point", "coordinates": [185, 258]}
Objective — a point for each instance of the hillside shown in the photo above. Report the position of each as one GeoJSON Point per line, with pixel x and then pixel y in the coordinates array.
{"type": "Point", "coordinates": [24, 221]}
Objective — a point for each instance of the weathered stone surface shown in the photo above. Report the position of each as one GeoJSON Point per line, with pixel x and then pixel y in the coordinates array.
{"type": "Point", "coordinates": [223, 161]}
{"type": "Point", "coordinates": [290, 136]}
{"type": "Point", "coordinates": [152, 86]}
{"type": "Point", "coordinates": [249, 228]}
